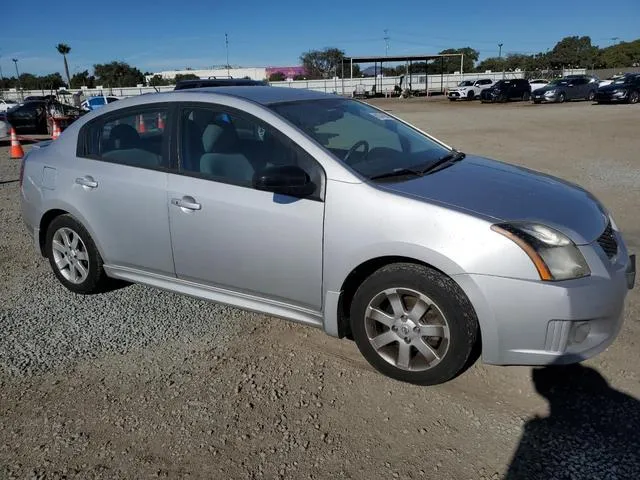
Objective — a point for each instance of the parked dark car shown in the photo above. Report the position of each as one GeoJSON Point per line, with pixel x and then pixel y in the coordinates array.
{"type": "Point", "coordinates": [31, 116]}
{"type": "Point", "coordinates": [218, 82]}
{"type": "Point", "coordinates": [625, 89]}
{"type": "Point", "coordinates": [505, 90]}
{"type": "Point", "coordinates": [571, 87]}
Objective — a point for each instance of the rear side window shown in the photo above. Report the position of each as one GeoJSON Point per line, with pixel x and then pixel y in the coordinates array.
{"type": "Point", "coordinates": [135, 138]}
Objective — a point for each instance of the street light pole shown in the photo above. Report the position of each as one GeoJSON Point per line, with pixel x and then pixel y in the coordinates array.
{"type": "Point", "coordinates": [500, 58]}
{"type": "Point", "coordinates": [226, 43]}
{"type": "Point", "coordinates": [15, 60]}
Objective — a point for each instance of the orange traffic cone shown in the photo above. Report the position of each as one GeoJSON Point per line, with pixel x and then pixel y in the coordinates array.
{"type": "Point", "coordinates": [56, 130]}
{"type": "Point", "coordinates": [16, 149]}
{"type": "Point", "coordinates": [160, 121]}
{"type": "Point", "coordinates": [141, 127]}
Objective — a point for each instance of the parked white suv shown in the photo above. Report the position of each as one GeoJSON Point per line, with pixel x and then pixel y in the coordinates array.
{"type": "Point", "coordinates": [469, 89]}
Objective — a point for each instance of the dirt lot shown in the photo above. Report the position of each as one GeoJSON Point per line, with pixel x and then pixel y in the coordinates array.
{"type": "Point", "coordinates": [140, 383]}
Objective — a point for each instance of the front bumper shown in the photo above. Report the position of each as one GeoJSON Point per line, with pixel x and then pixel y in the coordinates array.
{"type": "Point", "coordinates": [540, 323]}
{"type": "Point", "coordinates": [540, 97]}
{"type": "Point", "coordinates": [610, 98]}
{"type": "Point", "coordinates": [455, 94]}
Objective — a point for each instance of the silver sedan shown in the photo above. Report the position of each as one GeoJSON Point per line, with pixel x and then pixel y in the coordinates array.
{"type": "Point", "coordinates": [330, 212]}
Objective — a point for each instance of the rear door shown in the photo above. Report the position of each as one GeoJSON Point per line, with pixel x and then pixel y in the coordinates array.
{"type": "Point", "coordinates": [229, 235]}
{"type": "Point", "coordinates": [119, 184]}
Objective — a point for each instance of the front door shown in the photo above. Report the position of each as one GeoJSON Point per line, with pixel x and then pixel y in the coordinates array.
{"type": "Point", "coordinates": [229, 235]}
{"type": "Point", "coordinates": [119, 187]}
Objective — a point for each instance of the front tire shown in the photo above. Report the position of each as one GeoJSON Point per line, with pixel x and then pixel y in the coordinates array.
{"type": "Point", "coordinates": [471, 95]}
{"type": "Point", "coordinates": [634, 97]}
{"type": "Point", "coordinates": [414, 324]}
{"type": "Point", "coordinates": [592, 96]}
{"type": "Point", "coordinates": [561, 98]}
{"type": "Point", "coordinates": [73, 256]}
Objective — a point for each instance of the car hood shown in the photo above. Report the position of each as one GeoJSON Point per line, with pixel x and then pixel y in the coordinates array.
{"type": "Point", "coordinates": [509, 193]}
{"type": "Point", "coordinates": [548, 88]}
{"type": "Point", "coordinates": [611, 87]}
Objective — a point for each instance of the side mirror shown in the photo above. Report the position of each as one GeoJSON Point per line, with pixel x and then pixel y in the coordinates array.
{"type": "Point", "coordinates": [284, 179]}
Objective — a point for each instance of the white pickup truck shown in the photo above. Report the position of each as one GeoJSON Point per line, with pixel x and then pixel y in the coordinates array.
{"type": "Point", "coordinates": [469, 89]}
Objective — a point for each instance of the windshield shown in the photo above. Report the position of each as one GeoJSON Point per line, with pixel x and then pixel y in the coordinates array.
{"type": "Point", "coordinates": [367, 139]}
{"type": "Point", "coordinates": [623, 80]}
{"type": "Point", "coordinates": [466, 83]}
{"type": "Point", "coordinates": [559, 81]}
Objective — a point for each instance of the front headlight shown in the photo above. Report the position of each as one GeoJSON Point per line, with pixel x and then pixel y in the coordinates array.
{"type": "Point", "coordinates": [554, 255]}
{"type": "Point", "coordinates": [550, 92]}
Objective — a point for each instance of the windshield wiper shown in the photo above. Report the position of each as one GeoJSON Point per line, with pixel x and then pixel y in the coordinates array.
{"type": "Point", "coordinates": [417, 171]}
{"type": "Point", "coordinates": [444, 162]}
{"type": "Point", "coordinates": [399, 172]}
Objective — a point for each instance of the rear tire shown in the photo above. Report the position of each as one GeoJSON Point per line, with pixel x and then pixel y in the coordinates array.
{"type": "Point", "coordinates": [526, 96]}
{"type": "Point", "coordinates": [634, 97]}
{"type": "Point", "coordinates": [73, 256]}
{"type": "Point", "coordinates": [592, 96]}
{"type": "Point", "coordinates": [414, 324]}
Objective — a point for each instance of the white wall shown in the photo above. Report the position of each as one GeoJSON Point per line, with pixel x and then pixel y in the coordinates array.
{"type": "Point", "coordinates": [255, 73]}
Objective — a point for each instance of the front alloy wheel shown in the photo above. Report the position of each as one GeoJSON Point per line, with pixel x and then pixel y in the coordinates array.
{"type": "Point", "coordinates": [407, 329]}
{"type": "Point", "coordinates": [414, 324]}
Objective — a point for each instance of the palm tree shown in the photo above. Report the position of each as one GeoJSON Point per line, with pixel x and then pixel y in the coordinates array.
{"type": "Point", "coordinates": [64, 49]}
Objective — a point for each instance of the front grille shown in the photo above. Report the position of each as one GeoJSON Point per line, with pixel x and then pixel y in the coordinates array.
{"type": "Point", "coordinates": [608, 241]}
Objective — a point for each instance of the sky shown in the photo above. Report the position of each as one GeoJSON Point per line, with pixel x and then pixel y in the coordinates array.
{"type": "Point", "coordinates": [162, 35]}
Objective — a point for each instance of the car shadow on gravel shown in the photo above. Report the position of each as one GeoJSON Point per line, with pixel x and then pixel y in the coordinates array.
{"type": "Point", "coordinates": [592, 431]}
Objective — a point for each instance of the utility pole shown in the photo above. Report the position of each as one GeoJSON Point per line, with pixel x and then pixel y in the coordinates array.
{"type": "Point", "coordinates": [15, 60]}
{"type": "Point", "coordinates": [1, 79]}
{"type": "Point", "coordinates": [226, 42]}
{"type": "Point", "coordinates": [500, 58]}
{"type": "Point", "coordinates": [386, 41]}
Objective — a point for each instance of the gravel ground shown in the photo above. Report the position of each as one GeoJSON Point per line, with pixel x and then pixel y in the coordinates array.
{"type": "Point", "coordinates": [141, 383]}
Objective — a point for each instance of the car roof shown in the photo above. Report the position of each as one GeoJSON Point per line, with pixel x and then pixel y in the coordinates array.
{"type": "Point", "coordinates": [265, 95]}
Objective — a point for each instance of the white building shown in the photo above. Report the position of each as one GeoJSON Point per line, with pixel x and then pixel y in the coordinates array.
{"type": "Point", "coordinates": [254, 73]}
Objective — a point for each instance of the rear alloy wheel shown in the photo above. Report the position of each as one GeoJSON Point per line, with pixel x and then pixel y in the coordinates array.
{"type": "Point", "coordinates": [634, 97]}
{"type": "Point", "coordinates": [73, 256]}
{"type": "Point", "coordinates": [592, 96]}
{"type": "Point", "coordinates": [413, 324]}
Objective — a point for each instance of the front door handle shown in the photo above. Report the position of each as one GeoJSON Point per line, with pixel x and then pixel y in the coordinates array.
{"type": "Point", "coordinates": [87, 181]}
{"type": "Point", "coordinates": [188, 203]}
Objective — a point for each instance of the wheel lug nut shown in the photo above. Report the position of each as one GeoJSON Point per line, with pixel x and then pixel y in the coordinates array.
{"type": "Point", "coordinates": [394, 328]}
{"type": "Point", "coordinates": [416, 329]}
{"type": "Point", "coordinates": [407, 340]}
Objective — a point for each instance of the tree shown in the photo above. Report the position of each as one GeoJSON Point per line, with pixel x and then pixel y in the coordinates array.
{"type": "Point", "coordinates": [573, 52]}
{"type": "Point", "coordinates": [494, 64]}
{"type": "Point", "coordinates": [624, 54]}
{"type": "Point", "coordinates": [83, 79]}
{"type": "Point", "coordinates": [118, 74]}
{"type": "Point", "coordinates": [186, 76]}
{"type": "Point", "coordinates": [158, 81]}
{"type": "Point", "coordinates": [277, 77]}
{"type": "Point", "coordinates": [452, 64]}
{"type": "Point", "coordinates": [323, 63]}
{"type": "Point", "coordinates": [64, 49]}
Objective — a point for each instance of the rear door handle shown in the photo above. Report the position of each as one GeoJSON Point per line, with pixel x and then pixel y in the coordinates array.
{"type": "Point", "coordinates": [186, 202]}
{"type": "Point", "coordinates": [87, 181]}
